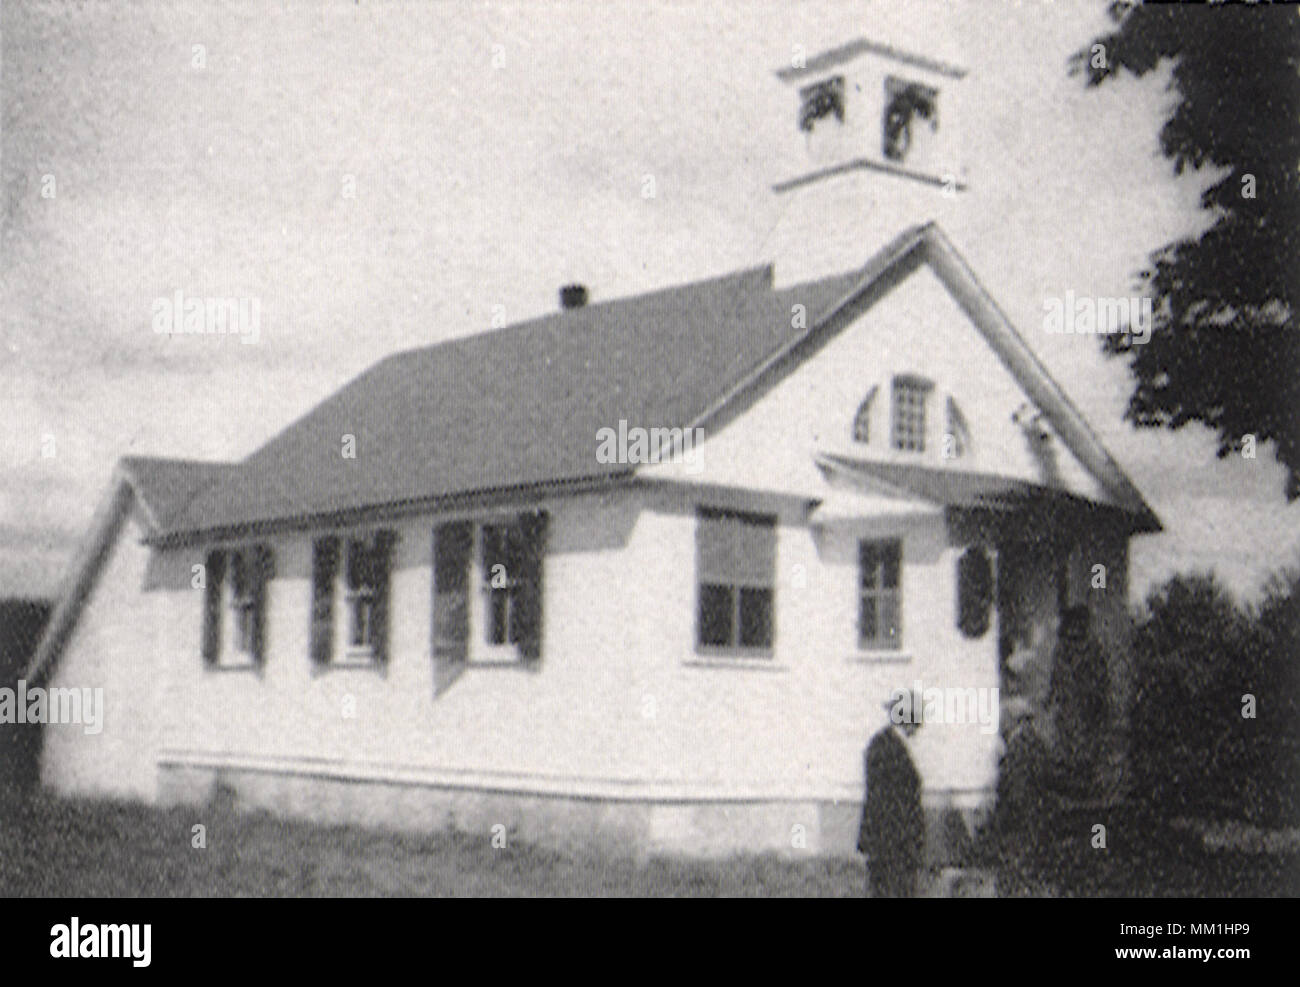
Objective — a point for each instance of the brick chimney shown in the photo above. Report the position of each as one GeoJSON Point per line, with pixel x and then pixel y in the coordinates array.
{"type": "Point", "coordinates": [573, 296]}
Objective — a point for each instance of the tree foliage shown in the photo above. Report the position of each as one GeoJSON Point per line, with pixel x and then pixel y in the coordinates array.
{"type": "Point", "coordinates": [1224, 348]}
{"type": "Point", "coordinates": [1215, 726]}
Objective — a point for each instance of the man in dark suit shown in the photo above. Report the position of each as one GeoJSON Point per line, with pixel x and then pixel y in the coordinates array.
{"type": "Point", "coordinates": [892, 833]}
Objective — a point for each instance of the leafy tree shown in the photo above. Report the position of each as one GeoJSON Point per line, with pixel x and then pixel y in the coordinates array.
{"type": "Point", "coordinates": [1224, 349]}
{"type": "Point", "coordinates": [1214, 723]}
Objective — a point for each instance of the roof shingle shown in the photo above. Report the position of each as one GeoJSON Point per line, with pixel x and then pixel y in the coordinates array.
{"type": "Point", "coordinates": [516, 406]}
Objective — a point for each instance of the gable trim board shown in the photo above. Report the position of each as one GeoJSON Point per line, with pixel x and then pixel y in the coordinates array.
{"type": "Point", "coordinates": [179, 496]}
{"type": "Point", "coordinates": [158, 488]}
{"type": "Point", "coordinates": [1011, 348]}
{"type": "Point", "coordinates": [83, 574]}
{"type": "Point", "coordinates": [847, 52]}
{"type": "Point", "coordinates": [866, 164]}
{"type": "Point", "coordinates": [927, 244]}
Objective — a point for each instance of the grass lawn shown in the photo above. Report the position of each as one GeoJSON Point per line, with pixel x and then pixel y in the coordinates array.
{"type": "Point", "coordinates": [87, 848]}
{"type": "Point", "coordinates": [94, 849]}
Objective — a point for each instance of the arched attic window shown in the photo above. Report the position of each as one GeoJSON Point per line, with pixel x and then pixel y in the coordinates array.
{"type": "Point", "coordinates": [910, 396]}
{"type": "Point", "coordinates": [862, 420]}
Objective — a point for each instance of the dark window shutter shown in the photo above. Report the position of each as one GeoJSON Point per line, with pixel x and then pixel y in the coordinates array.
{"type": "Point", "coordinates": [974, 592]}
{"type": "Point", "coordinates": [356, 565]}
{"type": "Point", "coordinates": [381, 563]}
{"type": "Point", "coordinates": [527, 612]}
{"type": "Point", "coordinates": [453, 543]}
{"type": "Point", "coordinates": [216, 570]}
{"type": "Point", "coordinates": [325, 561]}
{"type": "Point", "coordinates": [263, 572]}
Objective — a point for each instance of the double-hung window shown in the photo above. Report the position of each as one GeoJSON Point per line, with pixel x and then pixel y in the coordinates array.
{"type": "Point", "coordinates": [736, 570]}
{"type": "Point", "coordinates": [489, 612]}
{"type": "Point", "coordinates": [880, 611]}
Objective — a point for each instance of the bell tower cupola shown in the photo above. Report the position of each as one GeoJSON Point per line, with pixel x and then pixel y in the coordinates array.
{"type": "Point", "coordinates": [880, 130]}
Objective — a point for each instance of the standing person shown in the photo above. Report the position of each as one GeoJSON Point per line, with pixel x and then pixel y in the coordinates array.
{"type": "Point", "coordinates": [892, 833]}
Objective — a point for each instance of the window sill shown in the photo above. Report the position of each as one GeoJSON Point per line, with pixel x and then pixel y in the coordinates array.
{"type": "Point", "coordinates": [234, 665]}
{"type": "Point", "coordinates": [762, 661]}
{"type": "Point", "coordinates": [518, 663]}
{"type": "Point", "coordinates": [360, 661]}
{"type": "Point", "coordinates": [869, 657]}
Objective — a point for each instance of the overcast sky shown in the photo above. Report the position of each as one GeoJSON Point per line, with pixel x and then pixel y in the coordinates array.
{"type": "Point", "coordinates": [498, 151]}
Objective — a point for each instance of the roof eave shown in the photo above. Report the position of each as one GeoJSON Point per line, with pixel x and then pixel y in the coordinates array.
{"type": "Point", "coordinates": [389, 510]}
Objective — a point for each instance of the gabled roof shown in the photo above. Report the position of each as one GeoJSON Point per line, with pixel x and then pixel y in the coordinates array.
{"type": "Point", "coordinates": [928, 245]}
{"type": "Point", "coordinates": [1015, 354]}
{"type": "Point", "coordinates": [520, 408]}
{"type": "Point", "coordinates": [166, 486]}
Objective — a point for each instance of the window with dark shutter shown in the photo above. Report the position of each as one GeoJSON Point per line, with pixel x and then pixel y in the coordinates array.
{"type": "Point", "coordinates": [247, 573]}
{"type": "Point", "coordinates": [236, 581]}
{"type": "Point", "coordinates": [512, 563]}
{"type": "Point", "coordinates": [366, 595]}
{"type": "Point", "coordinates": [736, 575]}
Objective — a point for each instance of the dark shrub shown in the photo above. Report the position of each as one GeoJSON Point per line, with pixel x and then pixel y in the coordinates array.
{"type": "Point", "coordinates": [1204, 665]}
